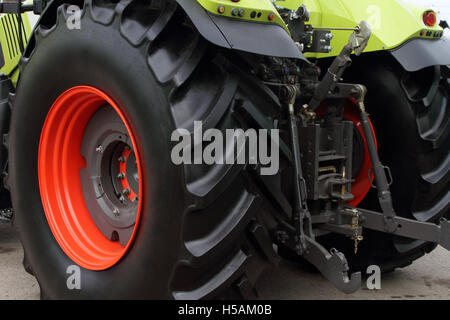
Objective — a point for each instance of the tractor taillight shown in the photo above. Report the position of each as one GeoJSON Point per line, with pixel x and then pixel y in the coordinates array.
{"type": "Point", "coordinates": [429, 18]}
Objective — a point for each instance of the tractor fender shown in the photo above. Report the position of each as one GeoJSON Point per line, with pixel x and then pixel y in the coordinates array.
{"type": "Point", "coordinates": [417, 54]}
{"type": "Point", "coordinates": [260, 38]}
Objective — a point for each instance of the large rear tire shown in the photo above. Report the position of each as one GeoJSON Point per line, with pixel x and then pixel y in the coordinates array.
{"type": "Point", "coordinates": [197, 229]}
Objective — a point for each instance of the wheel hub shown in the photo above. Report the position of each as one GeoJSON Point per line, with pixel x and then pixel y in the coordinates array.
{"type": "Point", "coordinates": [89, 177]}
{"type": "Point", "coordinates": [111, 200]}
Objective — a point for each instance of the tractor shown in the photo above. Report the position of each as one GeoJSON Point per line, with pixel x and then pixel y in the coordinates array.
{"type": "Point", "coordinates": [101, 96]}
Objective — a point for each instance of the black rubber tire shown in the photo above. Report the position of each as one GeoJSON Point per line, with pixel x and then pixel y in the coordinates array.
{"type": "Point", "coordinates": [197, 236]}
{"type": "Point", "coordinates": [413, 135]}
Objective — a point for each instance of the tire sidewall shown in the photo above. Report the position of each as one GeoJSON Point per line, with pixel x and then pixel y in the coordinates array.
{"type": "Point", "coordinates": [98, 56]}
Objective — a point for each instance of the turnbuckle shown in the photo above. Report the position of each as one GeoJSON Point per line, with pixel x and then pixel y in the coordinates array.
{"type": "Point", "coordinates": [379, 170]}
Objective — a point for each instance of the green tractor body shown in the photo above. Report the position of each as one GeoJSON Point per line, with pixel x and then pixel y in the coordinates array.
{"type": "Point", "coordinates": [9, 42]}
{"type": "Point", "coordinates": [392, 22]}
{"type": "Point", "coordinates": [387, 33]}
{"type": "Point", "coordinates": [355, 95]}
{"type": "Point", "coordinates": [384, 17]}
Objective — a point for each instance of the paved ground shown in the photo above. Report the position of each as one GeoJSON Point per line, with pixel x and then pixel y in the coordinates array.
{"type": "Point", "coordinates": [15, 283]}
{"type": "Point", "coordinates": [428, 278]}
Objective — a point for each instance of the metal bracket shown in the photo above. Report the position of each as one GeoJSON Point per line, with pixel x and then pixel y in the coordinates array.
{"type": "Point", "coordinates": [333, 265]}
{"type": "Point", "coordinates": [12, 7]}
{"type": "Point", "coordinates": [408, 228]}
{"type": "Point", "coordinates": [6, 215]}
{"type": "Point", "coordinates": [387, 169]}
{"type": "Point", "coordinates": [357, 42]}
{"type": "Point", "coordinates": [359, 39]}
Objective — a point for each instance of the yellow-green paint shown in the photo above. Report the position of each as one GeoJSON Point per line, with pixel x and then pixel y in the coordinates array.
{"type": "Point", "coordinates": [262, 9]}
{"type": "Point", "coordinates": [393, 21]}
{"type": "Point", "coordinates": [10, 43]}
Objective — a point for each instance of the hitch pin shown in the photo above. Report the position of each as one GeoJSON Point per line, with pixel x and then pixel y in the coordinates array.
{"type": "Point", "coordinates": [357, 236]}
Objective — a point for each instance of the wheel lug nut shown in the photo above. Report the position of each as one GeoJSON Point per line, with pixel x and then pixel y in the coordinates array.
{"type": "Point", "coordinates": [116, 212]}
{"type": "Point", "coordinates": [122, 159]}
{"type": "Point", "coordinates": [121, 175]}
{"type": "Point", "coordinates": [126, 191]}
{"type": "Point", "coordinates": [99, 149]}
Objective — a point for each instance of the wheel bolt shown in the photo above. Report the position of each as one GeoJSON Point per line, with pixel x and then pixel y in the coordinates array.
{"type": "Point", "coordinates": [122, 159]}
{"type": "Point", "coordinates": [99, 149]}
{"type": "Point", "coordinates": [116, 211]}
{"type": "Point", "coordinates": [126, 191]}
{"type": "Point", "coordinates": [121, 175]}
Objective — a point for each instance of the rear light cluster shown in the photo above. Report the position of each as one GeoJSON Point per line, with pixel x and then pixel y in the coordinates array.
{"type": "Point", "coordinates": [429, 18]}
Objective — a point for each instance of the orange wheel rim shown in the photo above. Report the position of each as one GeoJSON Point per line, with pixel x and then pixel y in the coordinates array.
{"type": "Point", "coordinates": [59, 164]}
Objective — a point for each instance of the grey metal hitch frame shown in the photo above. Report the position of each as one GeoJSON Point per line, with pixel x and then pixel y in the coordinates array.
{"type": "Point", "coordinates": [408, 228]}
{"type": "Point", "coordinates": [333, 264]}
